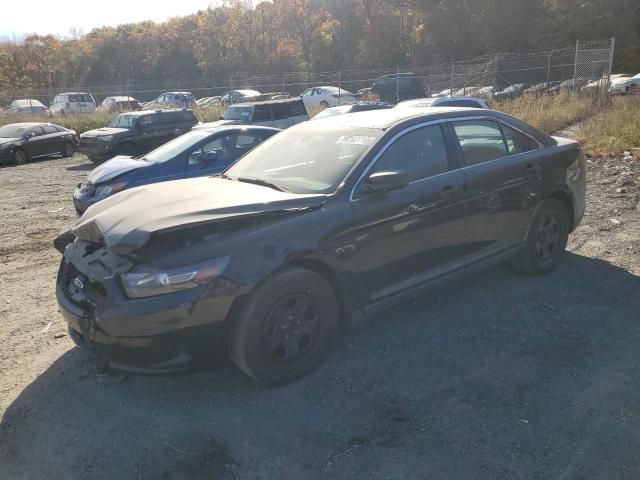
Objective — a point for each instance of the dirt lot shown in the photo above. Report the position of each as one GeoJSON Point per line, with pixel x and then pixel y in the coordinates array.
{"type": "Point", "coordinates": [501, 376]}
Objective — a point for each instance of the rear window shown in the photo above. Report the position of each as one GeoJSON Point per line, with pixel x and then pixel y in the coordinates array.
{"type": "Point", "coordinates": [80, 97]}
{"type": "Point", "coordinates": [481, 141]}
{"type": "Point", "coordinates": [49, 129]}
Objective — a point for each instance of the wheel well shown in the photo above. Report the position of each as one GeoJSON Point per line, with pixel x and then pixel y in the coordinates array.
{"type": "Point", "coordinates": [567, 201]}
{"type": "Point", "coordinates": [326, 272]}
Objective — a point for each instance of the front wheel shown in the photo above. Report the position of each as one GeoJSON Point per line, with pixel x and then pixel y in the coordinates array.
{"type": "Point", "coordinates": [68, 149]}
{"type": "Point", "coordinates": [547, 239]}
{"type": "Point", "coordinates": [20, 156]}
{"type": "Point", "coordinates": [286, 328]}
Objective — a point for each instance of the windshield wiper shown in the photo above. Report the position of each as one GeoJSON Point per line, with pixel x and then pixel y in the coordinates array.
{"type": "Point", "coordinates": [261, 182]}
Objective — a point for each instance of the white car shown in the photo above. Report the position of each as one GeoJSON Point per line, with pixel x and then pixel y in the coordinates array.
{"type": "Point", "coordinates": [72, 102]}
{"type": "Point", "coordinates": [326, 97]}
{"type": "Point", "coordinates": [469, 102]}
{"type": "Point", "coordinates": [624, 84]}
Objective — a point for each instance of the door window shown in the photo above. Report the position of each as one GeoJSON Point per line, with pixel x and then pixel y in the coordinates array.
{"type": "Point", "coordinates": [37, 131]}
{"type": "Point", "coordinates": [518, 142]}
{"type": "Point", "coordinates": [247, 140]}
{"type": "Point", "coordinates": [481, 141]}
{"type": "Point", "coordinates": [149, 121]}
{"type": "Point", "coordinates": [49, 129]}
{"type": "Point", "coordinates": [421, 153]}
{"type": "Point", "coordinates": [262, 113]}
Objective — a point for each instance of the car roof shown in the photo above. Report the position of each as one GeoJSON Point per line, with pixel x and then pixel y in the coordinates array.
{"type": "Point", "coordinates": [27, 101]}
{"type": "Point", "coordinates": [122, 98]}
{"type": "Point", "coordinates": [149, 112]}
{"type": "Point", "coordinates": [267, 102]}
{"type": "Point", "coordinates": [73, 93]}
{"type": "Point", "coordinates": [176, 93]}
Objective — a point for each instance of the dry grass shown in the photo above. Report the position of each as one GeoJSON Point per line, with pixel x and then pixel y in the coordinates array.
{"type": "Point", "coordinates": [616, 129]}
{"type": "Point", "coordinates": [551, 113]}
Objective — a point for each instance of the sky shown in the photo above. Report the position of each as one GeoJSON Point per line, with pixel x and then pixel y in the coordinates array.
{"type": "Point", "coordinates": [61, 16]}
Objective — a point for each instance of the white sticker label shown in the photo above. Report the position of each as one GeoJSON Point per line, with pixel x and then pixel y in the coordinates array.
{"type": "Point", "coordinates": [356, 140]}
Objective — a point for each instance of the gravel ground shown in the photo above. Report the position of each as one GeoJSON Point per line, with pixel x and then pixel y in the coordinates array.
{"type": "Point", "coordinates": [499, 376]}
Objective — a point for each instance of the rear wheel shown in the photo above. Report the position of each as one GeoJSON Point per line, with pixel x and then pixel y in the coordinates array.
{"type": "Point", "coordinates": [95, 159]}
{"type": "Point", "coordinates": [324, 104]}
{"type": "Point", "coordinates": [20, 156]}
{"type": "Point", "coordinates": [286, 328]}
{"type": "Point", "coordinates": [547, 239]}
{"type": "Point", "coordinates": [68, 149]}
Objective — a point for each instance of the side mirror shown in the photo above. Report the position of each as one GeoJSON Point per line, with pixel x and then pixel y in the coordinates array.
{"type": "Point", "coordinates": [381, 182]}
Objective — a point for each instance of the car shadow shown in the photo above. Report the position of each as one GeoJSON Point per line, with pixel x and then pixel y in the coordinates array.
{"type": "Point", "coordinates": [498, 376]}
{"type": "Point", "coordinates": [83, 167]}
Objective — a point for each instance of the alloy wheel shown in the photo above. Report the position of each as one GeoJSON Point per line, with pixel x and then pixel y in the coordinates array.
{"type": "Point", "coordinates": [548, 238]}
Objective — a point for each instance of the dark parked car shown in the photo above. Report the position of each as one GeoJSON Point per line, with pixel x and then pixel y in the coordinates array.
{"type": "Point", "coordinates": [135, 133]}
{"type": "Point", "coordinates": [273, 113]}
{"type": "Point", "coordinates": [21, 142]}
{"type": "Point", "coordinates": [120, 104]}
{"type": "Point", "coordinates": [319, 226]}
{"type": "Point", "coordinates": [352, 108]}
{"type": "Point", "coordinates": [403, 86]}
{"type": "Point", "coordinates": [199, 152]}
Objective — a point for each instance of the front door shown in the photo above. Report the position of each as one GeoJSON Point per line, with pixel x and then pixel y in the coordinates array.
{"type": "Point", "coordinates": [406, 237]}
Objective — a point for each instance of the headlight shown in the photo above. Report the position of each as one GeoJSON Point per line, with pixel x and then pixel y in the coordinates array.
{"type": "Point", "coordinates": [110, 189]}
{"type": "Point", "coordinates": [151, 283]}
{"type": "Point", "coordinates": [106, 138]}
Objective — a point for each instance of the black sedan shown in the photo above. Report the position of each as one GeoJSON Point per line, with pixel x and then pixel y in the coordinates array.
{"type": "Point", "coordinates": [319, 226]}
{"type": "Point", "coordinates": [21, 142]}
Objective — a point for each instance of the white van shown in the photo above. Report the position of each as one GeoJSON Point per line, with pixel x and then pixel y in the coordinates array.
{"type": "Point", "coordinates": [72, 102]}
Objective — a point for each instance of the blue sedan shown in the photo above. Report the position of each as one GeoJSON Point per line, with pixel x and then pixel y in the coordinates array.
{"type": "Point", "coordinates": [198, 153]}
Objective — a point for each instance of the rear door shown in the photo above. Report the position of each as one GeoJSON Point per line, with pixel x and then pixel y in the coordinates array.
{"type": "Point", "coordinates": [52, 140]}
{"type": "Point", "coordinates": [35, 146]}
{"type": "Point", "coordinates": [407, 237]}
{"type": "Point", "coordinates": [502, 167]}
{"type": "Point", "coordinates": [152, 132]}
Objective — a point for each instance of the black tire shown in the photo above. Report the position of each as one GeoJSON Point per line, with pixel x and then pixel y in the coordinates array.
{"type": "Point", "coordinates": [20, 157]}
{"type": "Point", "coordinates": [95, 159]}
{"type": "Point", "coordinates": [547, 239]}
{"type": "Point", "coordinates": [286, 327]}
{"type": "Point", "coordinates": [324, 104]}
{"type": "Point", "coordinates": [68, 149]}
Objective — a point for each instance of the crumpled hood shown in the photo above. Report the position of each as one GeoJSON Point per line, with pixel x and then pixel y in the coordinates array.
{"type": "Point", "coordinates": [101, 132]}
{"type": "Point", "coordinates": [126, 220]}
{"type": "Point", "coordinates": [115, 167]}
{"type": "Point", "coordinates": [8, 140]}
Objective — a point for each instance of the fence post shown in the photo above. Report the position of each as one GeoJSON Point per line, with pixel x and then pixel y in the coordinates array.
{"type": "Point", "coordinates": [575, 65]}
{"type": "Point", "coordinates": [613, 46]}
{"type": "Point", "coordinates": [397, 83]}
{"type": "Point", "coordinates": [339, 87]}
{"type": "Point", "coordinates": [283, 91]}
{"type": "Point", "coordinates": [549, 68]}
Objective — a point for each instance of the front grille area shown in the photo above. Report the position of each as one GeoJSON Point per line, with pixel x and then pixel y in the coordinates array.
{"type": "Point", "coordinates": [69, 272]}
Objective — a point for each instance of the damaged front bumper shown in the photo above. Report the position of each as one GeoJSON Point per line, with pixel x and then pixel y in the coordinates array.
{"type": "Point", "coordinates": [164, 333]}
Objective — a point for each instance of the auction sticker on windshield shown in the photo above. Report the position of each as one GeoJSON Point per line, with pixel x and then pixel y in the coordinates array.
{"type": "Point", "coordinates": [356, 140]}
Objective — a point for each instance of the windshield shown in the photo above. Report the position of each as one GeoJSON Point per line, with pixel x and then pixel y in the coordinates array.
{"type": "Point", "coordinates": [176, 146]}
{"type": "Point", "coordinates": [124, 121]}
{"type": "Point", "coordinates": [306, 159]}
{"type": "Point", "coordinates": [13, 131]}
{"type": "Point", "coordinates": [331, 112]}
{"type": "Point", "coordinates": [238, 113]}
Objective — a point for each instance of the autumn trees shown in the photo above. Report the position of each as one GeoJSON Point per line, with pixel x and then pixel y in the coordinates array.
{"type": "Point", "coordinates": [272, 37]}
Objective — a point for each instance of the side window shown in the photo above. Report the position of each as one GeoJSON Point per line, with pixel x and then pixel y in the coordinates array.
{"type": "Point", "coordinates": [481, 141]}
{"type": "Point", "coordinates": [463, 103]}
{"type": "Point", "coordinates": [188, 117]}
{"type": "Point", "coordinates": [148, 121]}
{"type": "Point", "coordinates": [280, 111]}
{"type": "Point", "coordinates": [262, 113]}
{"type": "Point", "coordinates": [421, 153]}
{"type": "Point", "coordinates": [518, 142]}
{"type": "Point", "coordinates": [297, 108]}
{"type": "Point", "coordinates": [49, 129]}
{"type": "Point", "coordinates": [37, 130]}
{"type": "Point", "coordinates": [248, 140]}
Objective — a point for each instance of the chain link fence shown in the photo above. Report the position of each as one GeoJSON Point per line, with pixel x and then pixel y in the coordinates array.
{"type": "Point", "coordinates": [570, 68]}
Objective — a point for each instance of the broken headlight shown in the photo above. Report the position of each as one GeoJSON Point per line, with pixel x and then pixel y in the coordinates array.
{"type": "Point", "coordinates": [139, 284]}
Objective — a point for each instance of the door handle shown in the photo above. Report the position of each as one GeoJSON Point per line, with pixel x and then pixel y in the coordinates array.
{"type": "Point", "coordinates": [532, 169]}
{"type": "Point", "coordinates": [450, 190]}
